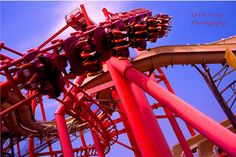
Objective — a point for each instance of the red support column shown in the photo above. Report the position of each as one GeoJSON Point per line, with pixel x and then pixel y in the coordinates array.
{"type": "Point", "coordinates": [62, 132]}
{"type": "Point", "coordinates": [31, 139]}
{"type": "Point", "coordinates": [98, 145]}
{"type": "Point", "coordinates": [42, 109]}
{"type": "Point", "coordinates": [61, 123]}
{"type": "Point", "coordinates": [178, 133]}
{"type": "Point", "coordinates": [127, 128]}
{"type": "Point", "coordinates": [150, 120]}
{"type": "Point", "coordinates": [44, 119]}
{"type": "Point", "coordinates": [190, 129]}
{"type": "Point", "coordinates": [173, 122]}
{"type": "Point", "coordinates": [31, 146]}
{"type": "Point", "coordinates": [137, 123]}
{"type": "Point", "coordinates": [18, 149]}
{"type": "Point", "coordinates": [83, 143]}
{"type": "Point", "coordinates": [205, 125]}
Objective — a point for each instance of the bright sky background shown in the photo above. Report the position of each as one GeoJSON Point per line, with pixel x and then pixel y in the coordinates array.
{"type": "Point", "coordinates": [26, 25]}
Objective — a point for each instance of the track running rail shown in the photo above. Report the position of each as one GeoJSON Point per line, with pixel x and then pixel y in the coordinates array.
{"type": "Point", "coordinates": [171, 55]}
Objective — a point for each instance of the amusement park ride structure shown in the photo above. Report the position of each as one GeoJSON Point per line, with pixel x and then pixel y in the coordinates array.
{"type": "Point", "coordinates": [103, 79]}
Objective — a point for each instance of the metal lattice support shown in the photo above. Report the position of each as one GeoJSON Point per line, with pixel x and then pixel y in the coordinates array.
{"type": "Point", "coordinates": [218, 86]}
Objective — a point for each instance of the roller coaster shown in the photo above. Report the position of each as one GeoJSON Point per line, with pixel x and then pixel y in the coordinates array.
{"type": "Point", "coordinates": [92, 77]}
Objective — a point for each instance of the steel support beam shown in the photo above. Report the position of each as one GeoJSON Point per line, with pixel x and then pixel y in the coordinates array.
{"type": "Point", "coordinates": [202, 123]}
{"type": "Point", "coordinates": [148, 147]}
{"type": "Point", "coordinates": [97, 143]}
{"type": "Point", "coordinates": [63, 133]}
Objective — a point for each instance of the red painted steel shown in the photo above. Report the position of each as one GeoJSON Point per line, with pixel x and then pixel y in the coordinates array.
{"type": "Point", "coordinates": [45, 119]}
{"type": "Point", "coordinates": [12, 108]}
{"type": "Point", "coordinates": [61, 124]}
{"type": "Point", "coordinates": [63, 133]}
{"type": "Point", "coordinates": [13, 84]}
{"type": "Point", "coordinates": [89, 23]}
{"type": "Point", "coordinates": [83, 141]}
{"type": "Point", "coordinates": [151, 123]}
{"type": "Point", "coordinates": [174, 122]}
{"type": "Point", "coordinates": [98, 145]}
{"type": "Point", "coordinates": [53, 36]}
{"type": "Point", "coordinates": [42, 109]}
{"type": "Point", "coordinates": [222, 137]}
{"type": "Point", "coordinates": [11, 50]}
{"type": "Point", "coordinates": [31, 146]}
{"type": "Point", "coordinates": [29, 56]}
{"type": "Point", "coordinates": [163, 77]}
{"type": "Point", "coordinates": [126, 125]}
{"type": "Point", "coordinates": [4, 57]}
{"type": "Point", "coordinates": [178, 132]}
{"type": "Point", "coordinates": [134, 117]}
{"type": "Point", "coordinates": [171, 117]}
{"type": "Point", "coordinates": [18, 149]}
{"type": "Point", "coordinates": [124, 145]}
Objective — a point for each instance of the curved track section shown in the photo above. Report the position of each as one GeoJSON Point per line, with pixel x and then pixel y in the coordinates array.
{"type": "Point", "coordinates": [173, 55]}
{"type": "Point", "coordinates": [21, 121]}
